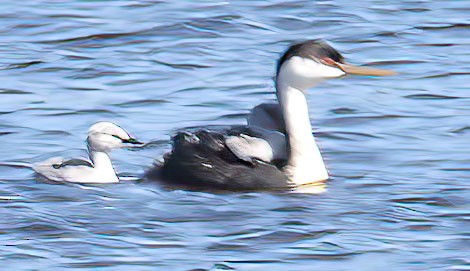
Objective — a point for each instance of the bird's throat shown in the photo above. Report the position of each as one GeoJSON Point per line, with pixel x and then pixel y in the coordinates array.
{"type": "Point", "coordinates": [305, 163]}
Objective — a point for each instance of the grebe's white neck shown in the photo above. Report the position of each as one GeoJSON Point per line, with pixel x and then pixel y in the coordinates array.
{"type": "Point", "coordinates": [103, 167]}
{"type": "Point", "coordinates": [305, 163]}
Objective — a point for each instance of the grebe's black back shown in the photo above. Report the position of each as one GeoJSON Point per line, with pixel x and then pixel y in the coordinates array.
{"type": "Point", "coordinates": [276, 150]}
{"type": "Point", "coordinates": [203, 160]}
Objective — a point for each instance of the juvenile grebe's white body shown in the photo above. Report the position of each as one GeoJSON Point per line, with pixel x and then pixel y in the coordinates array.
{"type": "Point", "coordinates": [102, 138]}
{"type": "Point", "coordinates": [277, 148]}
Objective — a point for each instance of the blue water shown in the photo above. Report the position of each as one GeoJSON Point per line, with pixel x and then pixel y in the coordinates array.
{"type": "Point", "coordinates": [397, 147]}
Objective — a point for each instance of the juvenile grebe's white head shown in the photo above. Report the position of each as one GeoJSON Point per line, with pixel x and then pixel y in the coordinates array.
{"type": "Point", "coordinates": [306, 64]}
{"type": "Point", "coordinates": [105, 136]}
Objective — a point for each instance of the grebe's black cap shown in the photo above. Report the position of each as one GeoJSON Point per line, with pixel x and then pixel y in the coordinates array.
{"type": "Point", "coordinates": [312, 49]}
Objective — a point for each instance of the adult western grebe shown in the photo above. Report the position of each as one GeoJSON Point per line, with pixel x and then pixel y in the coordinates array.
{"type": "Point", "coordinates": [102, 138]}
{"type": "Point", "coordinates": [277, 148]}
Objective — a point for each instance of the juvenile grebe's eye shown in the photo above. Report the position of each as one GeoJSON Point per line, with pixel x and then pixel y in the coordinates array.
{"type": "Point", "coordinates": [132, 141]}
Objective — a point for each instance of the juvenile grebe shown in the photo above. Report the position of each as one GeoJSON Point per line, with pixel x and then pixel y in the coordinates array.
{"type": "Point", "coordinates": [102, 138]}
{"type": "Point", "coordinates": [277, 149]}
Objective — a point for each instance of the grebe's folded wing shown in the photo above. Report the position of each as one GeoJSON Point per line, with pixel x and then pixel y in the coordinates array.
{"type": "Point", "coordinates": [267, 116]}
{"type": "Point", "coordinates": [257, 143]}
{"type": "Point", "coordinates": [72, 162]}
{"type": "Point", "coordinates": [248, 148]}
{"type": "Point", "coordinates": [60, 169]}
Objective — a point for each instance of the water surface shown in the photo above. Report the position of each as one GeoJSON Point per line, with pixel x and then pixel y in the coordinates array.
{"type": "Point", "coordinates": [397, 147]}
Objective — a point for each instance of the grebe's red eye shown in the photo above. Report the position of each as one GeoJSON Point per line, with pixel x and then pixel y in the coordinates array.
{"type": "Point", "coordinates": [328, 61]}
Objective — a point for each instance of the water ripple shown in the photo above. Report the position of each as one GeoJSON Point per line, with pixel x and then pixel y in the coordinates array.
{"type": "Point", "coordinates": [397, 147]}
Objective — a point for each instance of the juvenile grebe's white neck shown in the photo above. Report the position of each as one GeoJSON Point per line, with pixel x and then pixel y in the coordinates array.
{"type": "Point", "coordinates": [103, 167]}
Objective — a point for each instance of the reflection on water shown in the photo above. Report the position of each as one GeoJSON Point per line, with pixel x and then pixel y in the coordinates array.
{"type": "Point", "coordinates": [397, 147]}
{"type": "Point", "coordinates": [313, 188]}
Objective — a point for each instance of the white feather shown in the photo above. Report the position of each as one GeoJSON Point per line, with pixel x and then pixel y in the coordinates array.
{"type": "Point", "coordinates": [305, 163]}
{"type": "Point", "coordinates": [102, 138]}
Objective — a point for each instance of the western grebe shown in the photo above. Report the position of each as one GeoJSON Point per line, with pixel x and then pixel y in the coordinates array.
{"type": "Point", "coordinates": [102, 138]}
{"type": "Point", "coordinates": [277, 149]}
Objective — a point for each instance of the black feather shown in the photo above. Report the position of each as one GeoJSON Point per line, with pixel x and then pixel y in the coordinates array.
{"type": "Point", "coordinates": [312, 49]}
{"type": "Point", "coordinates": [202, 160]}
{"type": "Point", "coordinates": [73, 162]}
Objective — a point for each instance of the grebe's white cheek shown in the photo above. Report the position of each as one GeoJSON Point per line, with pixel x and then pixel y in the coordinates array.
{"type": "Point", "coordinates": [294, 72]}
{"type": "Point", "coordinates": [304, 73]}
{"type": "Point", "coordinates": [104, 142]}
{"type": "Point", "coordinates": [113, 142]}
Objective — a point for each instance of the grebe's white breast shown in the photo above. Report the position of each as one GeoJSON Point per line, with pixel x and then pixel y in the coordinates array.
{"type": "Point", "coordinates": [102, 138]}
